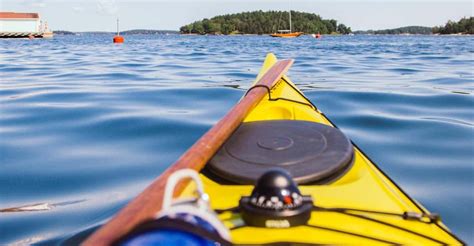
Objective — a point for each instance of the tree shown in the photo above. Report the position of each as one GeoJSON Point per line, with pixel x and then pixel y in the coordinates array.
{"type": "Point", "coordinates": [342, 29]}
{"type": "Point", "coordinates": [198, 28]}
{"type": "Point", "coordinates": [464, 25]}
{"type": "Point", "coordinates": [227, 28]}
{"type": "Point", "coordinates": [186, 29]}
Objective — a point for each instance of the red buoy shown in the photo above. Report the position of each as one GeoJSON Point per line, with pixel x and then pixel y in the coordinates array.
{"type": "Point", "coordinates": [117, 38]}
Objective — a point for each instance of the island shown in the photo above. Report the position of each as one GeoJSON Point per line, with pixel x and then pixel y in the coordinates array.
{"type": "Point", "coordinates": [401, 30]}
{"type": "Point", "coordinates": [63, 32]}
{"type": "Point", "coordinates": [260, 22]}
{"type": "Point", "coordinates": [463, 26]}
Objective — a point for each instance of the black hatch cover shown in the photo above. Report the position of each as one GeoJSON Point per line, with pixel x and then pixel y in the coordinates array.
{"type": "Point", "coordinates": [309, 151]}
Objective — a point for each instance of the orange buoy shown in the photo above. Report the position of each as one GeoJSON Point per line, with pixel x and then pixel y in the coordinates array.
{"type": "Point", "coordinates": [117, 38]}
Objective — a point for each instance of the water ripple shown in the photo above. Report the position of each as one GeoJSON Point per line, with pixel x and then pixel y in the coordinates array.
{"type": "Point", "coordinates": [85, 120]}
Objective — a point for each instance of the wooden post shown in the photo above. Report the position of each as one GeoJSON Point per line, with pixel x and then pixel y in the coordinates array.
{"type": "Point", "coordinates": [149, 202]}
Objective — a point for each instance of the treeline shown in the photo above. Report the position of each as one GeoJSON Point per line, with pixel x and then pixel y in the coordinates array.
{"type": "Point", "coordinates": [400, 30]}
{"type": "Point", "coordinates": [259, 22]}
{"type": "Point", "coordinates": [464, 26]}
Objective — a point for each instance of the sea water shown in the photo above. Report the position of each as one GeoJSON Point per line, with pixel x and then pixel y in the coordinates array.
{"type": "Point", "coordinates": [86, 124]}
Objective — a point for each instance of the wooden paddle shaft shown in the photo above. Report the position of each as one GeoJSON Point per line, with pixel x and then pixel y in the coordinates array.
{"type": "Point", "coordinates": [149, 202]}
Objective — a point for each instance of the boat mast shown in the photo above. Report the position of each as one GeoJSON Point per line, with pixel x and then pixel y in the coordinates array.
{"type": "Point", "coordinates": [118, 33]}
{"type": "Point", "coordinates": [289, 10]}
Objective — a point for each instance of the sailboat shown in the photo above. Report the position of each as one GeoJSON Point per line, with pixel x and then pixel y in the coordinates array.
{"type": "Point", "coordinates": [286, 33]}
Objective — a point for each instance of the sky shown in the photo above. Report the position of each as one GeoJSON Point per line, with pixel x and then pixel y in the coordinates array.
{"type": "Point", "coordinates": [100, 15]}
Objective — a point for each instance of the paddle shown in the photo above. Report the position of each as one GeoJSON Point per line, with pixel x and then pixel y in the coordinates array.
{"type": "Point", "coordinates": [149, 202]}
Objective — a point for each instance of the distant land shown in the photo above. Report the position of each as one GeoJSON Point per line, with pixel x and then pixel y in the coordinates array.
{"type": "Point", "coordinates": [62, 32]}
{"type": "Point", "coordinates": [310, 21]}
{"type": "Point", "coordinates": [260, 22]}
{"type": "Point", "coordinates": [400, 30]}
{"type": "Point", "coordinates": [463, 26]}
{"type": "Point", "coordinates": [128, 32]}
{"type": "Point", "coordinates": [146, 31]}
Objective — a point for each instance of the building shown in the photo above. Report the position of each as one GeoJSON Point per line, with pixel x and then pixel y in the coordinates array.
{"type": "Point", "coordinates": [21, 25]}
{"type": "Point", "coordinates": [19, 22]}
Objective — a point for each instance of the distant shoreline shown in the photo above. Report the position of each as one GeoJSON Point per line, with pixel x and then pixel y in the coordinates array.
{"type": "Point", "coordinates": [463, 27]}
{"type": "Point", "coordinates": [128, 32]}
{"type": "Point", "coordinates": [161, 32]}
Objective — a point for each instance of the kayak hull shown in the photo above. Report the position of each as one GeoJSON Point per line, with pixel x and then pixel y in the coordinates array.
{"type": "Point", "coordinates": [363, 186]}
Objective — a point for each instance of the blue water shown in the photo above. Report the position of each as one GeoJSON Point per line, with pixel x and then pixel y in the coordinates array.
{"type": "Point", "coordinates": [85, 124]}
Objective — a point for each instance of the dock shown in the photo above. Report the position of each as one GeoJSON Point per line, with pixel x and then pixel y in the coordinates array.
{"type": "Point", "coordinates": [23, 25]}
{"type": "Point", "coordinates": [26, 34]}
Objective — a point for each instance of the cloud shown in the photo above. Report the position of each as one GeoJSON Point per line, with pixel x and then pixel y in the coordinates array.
{"type": "Point", "coordinates": [107, 7]}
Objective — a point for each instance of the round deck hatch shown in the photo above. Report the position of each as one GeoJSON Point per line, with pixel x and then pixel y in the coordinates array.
{"type": "Point", "coordinates": [309, 151]}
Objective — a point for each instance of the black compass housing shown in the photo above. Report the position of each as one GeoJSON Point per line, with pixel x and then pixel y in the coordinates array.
{"type": "Point", "coordinates": [276, 202]}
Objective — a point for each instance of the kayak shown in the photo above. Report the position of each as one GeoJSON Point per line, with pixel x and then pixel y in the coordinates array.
{"type": "Point", "coordinates": [346, 198]}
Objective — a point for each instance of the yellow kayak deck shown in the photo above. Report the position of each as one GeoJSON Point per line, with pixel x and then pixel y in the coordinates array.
{"type": "Point", "coordinates": [363, 186]}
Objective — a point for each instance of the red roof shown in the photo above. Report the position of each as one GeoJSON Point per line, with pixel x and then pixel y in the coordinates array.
{"type": "Point", "coordinates": [13, 15]}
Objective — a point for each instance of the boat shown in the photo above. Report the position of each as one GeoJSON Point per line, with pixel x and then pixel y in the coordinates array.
{"type": "Point", "coordinates": [287, 33]}
{"type": "Point", "coordinates": [342, 197]}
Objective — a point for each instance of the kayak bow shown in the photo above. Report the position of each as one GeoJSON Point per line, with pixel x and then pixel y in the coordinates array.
{"type": "Point", "coordinates": [274, 124]}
